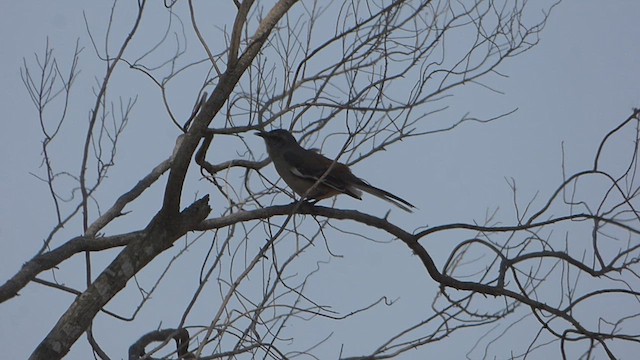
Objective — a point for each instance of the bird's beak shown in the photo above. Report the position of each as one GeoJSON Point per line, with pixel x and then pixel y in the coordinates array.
{"type": "Point", "coordinates": [262, 134]}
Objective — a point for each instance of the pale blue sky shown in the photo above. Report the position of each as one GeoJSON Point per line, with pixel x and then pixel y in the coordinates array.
{"type": "Point", "coordinates": [579, 82]}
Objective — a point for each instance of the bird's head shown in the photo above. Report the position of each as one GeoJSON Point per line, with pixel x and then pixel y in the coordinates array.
{"type": "Point", "coordinates": [278, 138]}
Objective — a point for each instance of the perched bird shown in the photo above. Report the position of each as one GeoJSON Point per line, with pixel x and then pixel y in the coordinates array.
{"type": "Point", "coordinates": [301, 169]}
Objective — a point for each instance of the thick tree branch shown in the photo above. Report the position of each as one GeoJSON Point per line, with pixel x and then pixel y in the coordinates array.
{"type": "Point", "coordinates": [53, 258]}
{"type": "Point", "coordinates": [169, 224]}
{"type": "Point", "coordinates": [227, 82]}
{"type": "Point", "coordinates": [158, 236]}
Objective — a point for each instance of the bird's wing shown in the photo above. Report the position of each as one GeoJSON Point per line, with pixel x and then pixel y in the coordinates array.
{"type": "Point", "coordinates": [313, 166]}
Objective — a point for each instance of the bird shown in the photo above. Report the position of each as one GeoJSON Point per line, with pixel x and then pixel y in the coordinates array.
{"type": "Point", "coordinates": [301, 169]}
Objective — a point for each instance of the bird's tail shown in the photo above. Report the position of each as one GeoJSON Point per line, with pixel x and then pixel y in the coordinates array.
{"type": "Point", "coordinates": [385, 195]}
